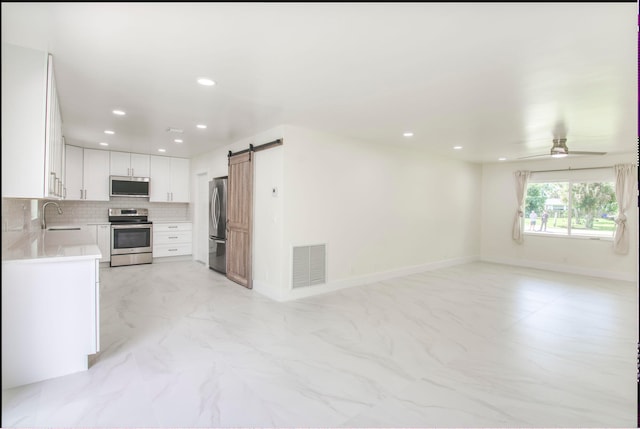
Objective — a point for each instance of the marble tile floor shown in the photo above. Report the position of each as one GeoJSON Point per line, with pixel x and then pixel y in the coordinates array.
{"type": "Point", "coordinates": [476, 345]}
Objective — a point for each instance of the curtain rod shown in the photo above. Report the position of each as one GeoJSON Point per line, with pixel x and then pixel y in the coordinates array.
{"type": "Point", "coordinates": [253, 148]}
{"type": "Point", "coordinates": [572, 169]}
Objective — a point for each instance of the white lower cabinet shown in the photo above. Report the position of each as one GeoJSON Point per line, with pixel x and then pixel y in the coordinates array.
{"type": "Point", "coordinates": [50, 318]}
{"type": "Point", "coordinates": [103, 238]}
{"type": "Point", "coordinates": [102, 233]}
{"type": "Point", "coordinates": [171, 239]}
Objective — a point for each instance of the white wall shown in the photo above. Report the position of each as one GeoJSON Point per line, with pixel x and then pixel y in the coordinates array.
{"type": "Point", "coordinates": [267, 227]}
{"type": "Point", "coordinates": [268, 250]}
{"type": "Point", "coordinates": [382, 211]}
{"type": "Point", "coordinates": [581, 256]}
{"type": "Point", "coordinates": [216, 161]}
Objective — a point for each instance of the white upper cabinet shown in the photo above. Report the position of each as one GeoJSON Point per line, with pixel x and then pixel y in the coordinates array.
{"type": "Point", "coordinates": [180, 180]}
{"type": "Point", "coordinates": [87, 174]}
{"type": "Point", "coordinates": [32, 141]}
{"type": "Point", "coordinates": [54, 148]}
{"type": "Point", "coordinates": [96, 175]}
{"type": "Point", "coordinates": [160, 179]}
{"type": "Point", "coordinates": [169, 179]}
{"type": "Point", "coordinates": [74, 173]}
{"type": "Point", "coordinates": [129, 164]}
{"type": "Point", "coordinates": [120, 163]}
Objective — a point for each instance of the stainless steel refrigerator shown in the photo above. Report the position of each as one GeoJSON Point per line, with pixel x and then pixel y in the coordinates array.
{"type": "Point", "coordinates": [218, 224]}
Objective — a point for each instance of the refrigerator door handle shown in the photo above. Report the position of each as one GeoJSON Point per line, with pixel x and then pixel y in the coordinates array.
{"type": "Point", "coordinates": [213, 210]}
{"type": "Point", "coordinates": [216, 209]}
{"type": "Point", "coordinates": [218, 206]}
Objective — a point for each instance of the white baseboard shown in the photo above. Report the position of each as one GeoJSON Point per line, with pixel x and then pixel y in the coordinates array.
{"type": "Point", "coordinates": [562, 268]}
{"type": "Point", "coordinates": [266, 290]}
{"type": "Point", "coordinates": [366, 279]}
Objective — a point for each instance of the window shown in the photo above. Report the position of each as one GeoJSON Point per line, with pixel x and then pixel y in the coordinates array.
{"type": "Point", "coordinates": [576, 207]}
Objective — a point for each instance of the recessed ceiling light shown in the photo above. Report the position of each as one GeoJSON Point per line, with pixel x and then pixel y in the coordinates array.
{"type": "Point", "coordinates": [178, 140]}
{"type": "Point", "coordinates": [205, 81]}
{"type": "Point", "coordinates": [502, 158]}
{"type": "Point", "coordinates": [162, 150]}
{"type": "Point", "coordinates": [201, 126]}
{"type": "Point", "coordinates": [109, 132]}
{"type": "Point", "coordinates": [103, 144]}
{"type": "Point", "coordinates": [408, 134]}
{"type": "Point", "coordinates": [457, 147]}
{"type": "Point", "coordinates": [119, 112]}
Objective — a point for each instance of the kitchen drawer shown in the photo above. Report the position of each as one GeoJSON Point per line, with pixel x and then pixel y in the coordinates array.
{"type": "Point", "coordinates": [171, 237]}
{"type": "Point", "coordinates": [177, 249]}
{"type": "Point", "coordinates": [167, 227]}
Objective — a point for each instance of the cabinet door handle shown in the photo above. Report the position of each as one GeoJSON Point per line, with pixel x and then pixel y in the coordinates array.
{"type": "Point", "coordinates": [64, 192]}
{"type": "Point", "coordinates": [173, 250]}
{"type": "Point", "coordinates": [172, 226]}
{"type": "Point", "coordinates": [52, 181]}
{"type": "Point", "coordinates": [132, 172]}
{"type": "Point", "coordinates": [173, 237]}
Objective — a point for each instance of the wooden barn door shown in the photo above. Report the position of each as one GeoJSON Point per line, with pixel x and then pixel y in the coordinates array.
{"type": "Point", "coordinates": [240, 218]}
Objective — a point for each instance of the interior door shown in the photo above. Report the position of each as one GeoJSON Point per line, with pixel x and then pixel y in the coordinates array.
{"type": "Point", "coordinates": [240, 219]}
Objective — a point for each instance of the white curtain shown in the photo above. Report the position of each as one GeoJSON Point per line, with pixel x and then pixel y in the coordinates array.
{"type": "Point", "coordinates": [625, 185]}
{"type": "Point", "coordinates": [522, 177]}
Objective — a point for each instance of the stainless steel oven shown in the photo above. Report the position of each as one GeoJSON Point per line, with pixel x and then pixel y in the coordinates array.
{"type": "Point", "coordinates": [131, 237]}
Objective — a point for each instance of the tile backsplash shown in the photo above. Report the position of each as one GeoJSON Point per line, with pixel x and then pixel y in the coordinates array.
{"type": "Point", "coordinates": [17, 213]}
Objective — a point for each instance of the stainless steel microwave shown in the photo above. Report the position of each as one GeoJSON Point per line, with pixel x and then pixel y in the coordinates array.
{"type": "Point", "coordinates": [128, 186]}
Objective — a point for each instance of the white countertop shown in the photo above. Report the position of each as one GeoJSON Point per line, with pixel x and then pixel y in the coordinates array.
{"type": "Point", "coordinates": [49, 246]}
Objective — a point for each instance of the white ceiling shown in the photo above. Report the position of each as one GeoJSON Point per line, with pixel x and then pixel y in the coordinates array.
{"type": "Point", "coordinates": [495, 78]}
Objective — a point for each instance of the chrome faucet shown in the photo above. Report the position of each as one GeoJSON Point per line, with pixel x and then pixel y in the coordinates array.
{"type": "Point", "coordinates": [44, 212]}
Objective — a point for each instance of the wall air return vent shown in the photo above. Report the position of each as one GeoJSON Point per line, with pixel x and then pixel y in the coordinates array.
{"type": "Point", "coordinates": [309, 265]}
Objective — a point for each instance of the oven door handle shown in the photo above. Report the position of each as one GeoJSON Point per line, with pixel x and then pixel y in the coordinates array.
{"type": "Point", "coordinates": [131, 226]}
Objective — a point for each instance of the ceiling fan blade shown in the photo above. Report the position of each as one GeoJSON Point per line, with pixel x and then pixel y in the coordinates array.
{"type": "Point", "coordinates": [533, 156]}
{"type": "Point", "coordinates": [581, 152]}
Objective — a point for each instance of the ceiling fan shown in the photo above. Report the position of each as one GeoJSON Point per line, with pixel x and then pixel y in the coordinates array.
{"type": "Point", "coordinates": [560, 150]}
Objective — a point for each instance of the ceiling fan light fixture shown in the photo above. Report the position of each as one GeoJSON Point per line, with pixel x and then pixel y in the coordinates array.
{"type": "Point", "coordinates": [559, 148]}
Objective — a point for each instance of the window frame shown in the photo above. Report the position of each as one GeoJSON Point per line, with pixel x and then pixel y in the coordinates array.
{"type": "Point", "coordinates": [569, 177]}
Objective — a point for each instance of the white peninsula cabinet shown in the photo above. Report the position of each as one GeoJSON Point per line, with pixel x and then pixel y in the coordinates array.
{"type": "Point", "coordinates": [102, 233]}
{"type": "Point", "coordinates": [171, 239]}
{"type": "Point", "coordinates": [169, 179]}
{"type": "Point", "coordinates": [87, 174]}
{"type": "Point", "coordinates": [50, 306]}
{"type": "Point", "coordinates": [32, 140]}
{"type": "Point", "coordinates": [129, 164]}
